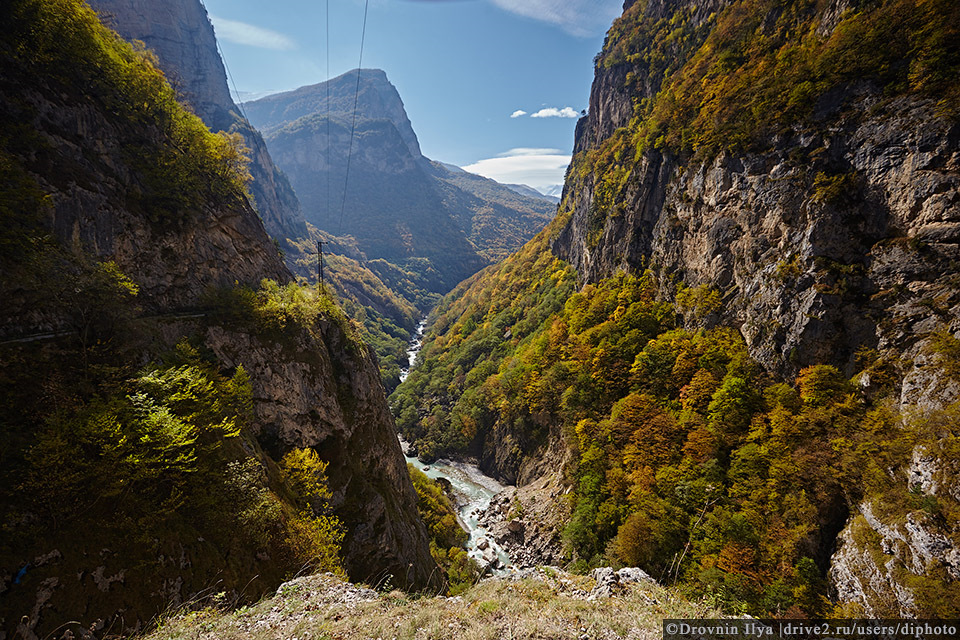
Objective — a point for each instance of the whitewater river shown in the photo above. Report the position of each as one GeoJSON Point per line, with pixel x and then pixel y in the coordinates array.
{"type": "Point", "coordinates": [413, 349]}
{"type": "Point", "coordinates": [472, 488]}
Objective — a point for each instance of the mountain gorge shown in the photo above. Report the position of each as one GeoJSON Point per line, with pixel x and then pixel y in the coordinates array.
{"type": "Point", "coordinates": [737, 341]}
{"type": "Point", "coordinates": [724, 376]}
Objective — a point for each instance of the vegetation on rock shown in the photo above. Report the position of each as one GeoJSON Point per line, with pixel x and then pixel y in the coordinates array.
{"type": "Point", "coordinates": [744, 77]}
{"type": "Point", "coordinates": [687, 459]}
{"type": "Point", "coordinates": [64, 42]}
{"type": "Point", "coordinates": [447, 538]}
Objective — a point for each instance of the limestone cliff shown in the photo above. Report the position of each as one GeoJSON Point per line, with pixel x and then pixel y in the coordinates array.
{"type": "Point", "coordinates": [824, 211]}
{"type": "Point", "coordinates": [125, 229]}
{"type": "Point", "coordinates": [377, 99]}
{"type": "Point", "coordinates": [323, 391]}
{"type": "Point", "coordinates": [181, 35]}
{"type": "Point", "coordinates": [806, 274]}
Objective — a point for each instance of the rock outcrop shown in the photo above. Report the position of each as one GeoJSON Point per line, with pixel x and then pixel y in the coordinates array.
{"type": "Point", "coordinates": [100, 198]}
{"type": "Point", "coordinates": [877, 562]}
{"type": "Point", "coordinates": [326, 394]}
{"type": "Point", "coordinates": [181, 35]}
{"type": "Point", "coordinates": [526, 521]}
{"type": "Point", "coordinates": [807, 277]}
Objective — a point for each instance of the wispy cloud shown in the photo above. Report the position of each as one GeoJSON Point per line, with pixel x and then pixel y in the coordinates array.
{"type": "Point", "coordinates": [251, 35]}
{"type": "Point", "coordinates": [553, 112]}
{"type": "Point", "coordinates": [582, 18]}
{"type": "Point", "coordinates": [538, 168]}
{"type": "Point", "coordinates": [518, 113]}
{"type": "Point", "coordinates": [529, 151]}
{"type": "Point", "coordinates": [250, 96]}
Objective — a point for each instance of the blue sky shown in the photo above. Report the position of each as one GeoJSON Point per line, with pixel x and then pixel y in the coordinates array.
{"type": "Point", "coordinates": [462, 67]}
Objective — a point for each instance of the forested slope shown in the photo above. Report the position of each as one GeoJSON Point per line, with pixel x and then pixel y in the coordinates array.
{"type": "Point", "coordinates": [173, 412]}
{"type": "Point", "coordinates": [740, 333]}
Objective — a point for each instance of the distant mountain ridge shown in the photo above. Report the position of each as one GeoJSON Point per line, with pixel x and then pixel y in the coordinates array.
{"type": "Point", "coordinates": [377, 99]}
{"type": "Point", "coordinates": [527, 190]}
{"type": "Point", "coordinates": [398, 204]}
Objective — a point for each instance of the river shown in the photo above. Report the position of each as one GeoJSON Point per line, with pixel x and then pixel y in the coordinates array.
{"type": "Point", "coordinates": [472, 488]}
{"type": "Point", "coordinates": [413, 349]}
{"type": "Point", "coordinates": [473, 491]}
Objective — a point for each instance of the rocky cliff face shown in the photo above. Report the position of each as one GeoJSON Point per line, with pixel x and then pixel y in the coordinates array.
{"type": "Point", "coordinates": [808, 278]}
{"type": "Point", "coordinates": [806, 272]}
{"type": "Point", "coordinates": [181, 35]}
{"type": "Point", "coordinates": [325, 393]}
{"type": "Point", "coordinates": [377, 99]}
{"type": "Point", "coordinates": [877, 562]}
{"type": "Point", "coordinates": [98, 196]}
{"type": "Point", "coordinates": [85, 186]}
{"type": "Point", "coordinates": [831, 234]}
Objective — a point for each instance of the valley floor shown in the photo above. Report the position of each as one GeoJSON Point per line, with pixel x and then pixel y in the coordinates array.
{"type": "Point", "coordinates": [539, 603]}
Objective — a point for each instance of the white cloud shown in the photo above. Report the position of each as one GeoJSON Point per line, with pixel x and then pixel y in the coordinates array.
{"type": "Point", "coordinates": [582, 18]}
{"type": "Point", "coordinates": [538, 168]}
{"type": "Point", "coordinates": [553, 112]}
{"type": "Point", "coordinates": [518, 113]}
{"type": "Point", "coordinates": [250, 96]}
{"type": "Point", "coordinates": [251, 35]}
{"type": "Point", "coordinates": [529, 151]}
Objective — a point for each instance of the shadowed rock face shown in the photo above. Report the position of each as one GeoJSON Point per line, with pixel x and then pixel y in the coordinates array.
{"type": "Point", "coordinates": [373, 496]}
{"type": "Point", "coordinates": [181, 35]}
{"type": "Point", "coordinates": [319, 389]}
{"type": "Point", "coordinates": [95, 185]}
{"type": "Point", "coordinates": [326, 394]}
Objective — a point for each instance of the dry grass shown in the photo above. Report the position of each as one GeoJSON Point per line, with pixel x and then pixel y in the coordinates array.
{"type": "Point", "coordinates": [553, 606]}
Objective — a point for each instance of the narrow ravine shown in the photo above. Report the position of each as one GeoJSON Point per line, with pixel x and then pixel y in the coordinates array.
{"type": "Point", "coordinates": [472, 489]}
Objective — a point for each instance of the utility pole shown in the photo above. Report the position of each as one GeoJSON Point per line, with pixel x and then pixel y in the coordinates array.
{"type": "Point", "coordinates": [321, 285]}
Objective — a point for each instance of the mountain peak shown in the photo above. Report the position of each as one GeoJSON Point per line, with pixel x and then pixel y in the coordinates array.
{"type": "Point", "coordinates": [376, 98]}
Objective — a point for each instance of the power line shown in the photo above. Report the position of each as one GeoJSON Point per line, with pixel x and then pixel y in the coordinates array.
{"type": "Point", "coordinates": [327, 210]}
{"type": "Point", "coordinates": [226, 68]}
{"type": "Point", "coordinates": [353, 127]}
{"type": "Point", "coordinates": [234, 83]}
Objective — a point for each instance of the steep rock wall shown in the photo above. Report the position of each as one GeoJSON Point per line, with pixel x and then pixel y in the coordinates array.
{"type": "Point", "coordinates": [807, 280]}
{"type": "Point", "coordinates": [833, 234]}
{"type": "Point", "coordinates": [806, 273]}
{"type": "Point", "coordinates": [325, 393]}
{"type": "Point", "coordinates": [82, 149]}
{"type": "Point", "coordinates": [181, 35]}
{"type": "Point", "coordinates": [98, 193]}
{"type": "Point", "coordinates": [219, 246]}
